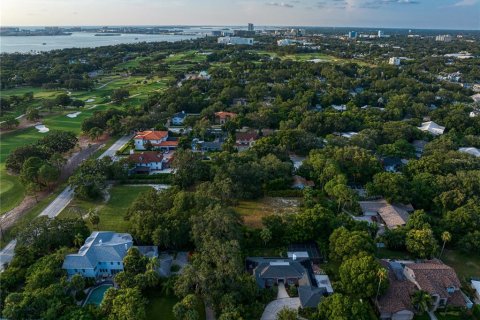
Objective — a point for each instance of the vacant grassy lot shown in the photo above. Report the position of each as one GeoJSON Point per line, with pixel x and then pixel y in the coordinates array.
{"type": "Point", "coordinates": [112, 212]}
{"type": "Point", "coordinates": [252, 211]}
{"type": "Point", "coordinates": [160, 306]}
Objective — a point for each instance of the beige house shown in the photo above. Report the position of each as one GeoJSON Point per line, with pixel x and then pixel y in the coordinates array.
{"type": "Point", "coordinates": [439, 280]}
{"type": "Point", "coordinates": [391, 215]}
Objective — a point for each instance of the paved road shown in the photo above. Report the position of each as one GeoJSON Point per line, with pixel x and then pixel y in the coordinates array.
{"type": "Point", "coordinates": [115, 147]}
{"type": "Point", "coordinates": [7, 253]}
{"type": "Point", "coordinates": [60, 202]}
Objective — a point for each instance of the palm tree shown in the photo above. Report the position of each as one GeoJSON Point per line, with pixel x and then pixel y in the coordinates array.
{"type": "Point", "coordinates": [446, 237]}
{"type": "Point", "coordinates": [421, 300]}
{"type": "Point", "coordinates": [382, 275]}
{"type": "Point", "coordinates": [78, 240]}
{"type": "Point", "coordinates": [94, 218]}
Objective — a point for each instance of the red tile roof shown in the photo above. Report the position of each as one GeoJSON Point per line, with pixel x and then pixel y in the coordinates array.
{"type": "Point", "coordinates": [151, 135]}
{"type": "Point", "coordinates": [146, 157]}
{"type": "Point", "coordinates": [435, 277]}
{"type": "Point", "coordinates": [398, 295]}
{"type": "Point", "coordinates": [168, 143]}
{"type": "Point", "coordinates": [224, 114]}
{"type": "Point", "coordinates": [246, 136]}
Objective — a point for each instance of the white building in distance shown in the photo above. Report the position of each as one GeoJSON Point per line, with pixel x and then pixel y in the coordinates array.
{"type": "Point", "coordinates": [394, 61]}
{"type": "Point", "coordinates": [444, 38]}
{"type": "Point", "coordinates": [235, 41]}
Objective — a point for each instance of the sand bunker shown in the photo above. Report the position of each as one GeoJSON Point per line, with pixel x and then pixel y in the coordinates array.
{"type": "Point", "coordinates": [90, 100]}
{"type": "Point", "coordinates": [41, 128]}
{"type": "Point", "coordinates": [73, 115]}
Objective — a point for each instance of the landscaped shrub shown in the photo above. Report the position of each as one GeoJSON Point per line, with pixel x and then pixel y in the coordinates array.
{"type": "Point", "coordinates": [292, 291]}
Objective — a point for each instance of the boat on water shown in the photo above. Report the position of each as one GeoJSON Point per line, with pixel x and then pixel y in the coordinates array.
{"type": "Point", "coordinates": [44, 43]}
{"type": "Point", "coordinates": [107, 34]}
{"type": "Point", "coordinates": [136, 38]}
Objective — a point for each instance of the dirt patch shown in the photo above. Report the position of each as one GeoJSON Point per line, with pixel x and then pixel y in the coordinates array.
{"type": "Point", "coordinates": [252, 212]}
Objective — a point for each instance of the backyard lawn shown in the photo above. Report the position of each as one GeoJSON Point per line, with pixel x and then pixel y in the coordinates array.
{"type": "Point", "coordinates": [160, 307]}
{"type": "Point", "coordinates": [466, 266]}
{"type": "Point", "coordinates": [112, 212]}
{"type": "Point", "coordinates": [252, 211]}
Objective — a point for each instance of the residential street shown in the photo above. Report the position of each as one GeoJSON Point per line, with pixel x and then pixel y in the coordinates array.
{"type": "Point", "coordinates": [60, 202]}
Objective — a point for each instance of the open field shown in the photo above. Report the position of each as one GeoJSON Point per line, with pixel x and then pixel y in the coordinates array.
{"type": "Point", "coordinates": [112, 212]}
{"type": "Point", "coordinates": [252, 211]}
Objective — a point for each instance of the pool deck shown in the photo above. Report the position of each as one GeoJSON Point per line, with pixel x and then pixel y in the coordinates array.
{"type": "Point", "coordinates": [92, 289]}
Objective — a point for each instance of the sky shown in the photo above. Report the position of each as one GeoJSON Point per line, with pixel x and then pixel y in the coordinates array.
{"type": "Point", "coordinates": [412, 14]}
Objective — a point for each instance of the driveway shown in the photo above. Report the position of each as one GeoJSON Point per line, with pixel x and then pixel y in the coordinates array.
{"type": "Point", "coordinates": [274, 307]}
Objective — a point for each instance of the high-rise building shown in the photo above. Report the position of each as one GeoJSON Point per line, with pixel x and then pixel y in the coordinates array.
{"type": "Point", "coordinates": [380, 33]}
{"type": "Point", "coordinates": [352, 34]}
{"type": "Point", "coordinates": [444, 38]}
{"type": "Point", "coordinates": [250, 27]}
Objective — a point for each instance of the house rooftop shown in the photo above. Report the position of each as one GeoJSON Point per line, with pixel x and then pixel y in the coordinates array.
{"type": "Point", "coordinates": [99, 246]}
{"type": "Point", "coordinates": [432, 127]}
{"type": "Point", "coordinates": [470, 150]}
{"type": "Point", "coordinates": [151, 135]}
{"type": "Point", "coordinates": [435, 277]}
{"type": "Point", "coordinates": [398, 295]}
{"type": "Point", "coordinates": [146, 157]}
{"type": "Point", "coordinates": [225, 114]}
{"type": "Point", "coordinates": [394, 215]}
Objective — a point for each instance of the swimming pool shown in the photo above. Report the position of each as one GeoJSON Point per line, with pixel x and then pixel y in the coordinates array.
{"type": "Point", "coordinates": [96, 295]}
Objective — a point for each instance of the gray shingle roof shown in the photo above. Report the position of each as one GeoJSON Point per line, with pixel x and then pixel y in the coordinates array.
{"type": "Point", "coordinates": [101, 246]}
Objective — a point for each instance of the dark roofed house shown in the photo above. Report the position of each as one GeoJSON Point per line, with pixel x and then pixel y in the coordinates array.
{"type": "Point", "coordinates": [439, 280]}
{"type": "Point", "coordinates": [244, 140]}
{"type": "Point", "coordinates": [291, 271]}
{"type": "Point", "coordinates": [179, 118]}
{"type": "Point", "coordinates": [148, 161]}
{"type": "Point", "coordinates": [396, 303]}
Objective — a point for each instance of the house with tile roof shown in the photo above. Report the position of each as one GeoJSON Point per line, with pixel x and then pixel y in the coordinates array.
{"type": "Point", "coordinates": [158, 140]}
{"type": "Point", "coordinates": [396, 302]}
{"type": "Point", "coordinates": [222, 117]}
{"type": "Point", "coordinates": [390, 215]}
{"type": "Point", "coordinates": [245, 140]}
{"type": "Point", "coordinates": [439, 280]}
{"type": "Point", "coordinates": [148, 161]}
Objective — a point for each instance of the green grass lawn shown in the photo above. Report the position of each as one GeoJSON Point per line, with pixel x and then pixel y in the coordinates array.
{"type": "Point", "coordinates": [160, 307]}
{"type": "Point", "coordinates": [252, 211]}
{"type": "Point", "coordinates": [466, 266]}
{"type": "Point", "coordinates": [11, 190]}
{"type": "Point", "coordinates": [112, 212]}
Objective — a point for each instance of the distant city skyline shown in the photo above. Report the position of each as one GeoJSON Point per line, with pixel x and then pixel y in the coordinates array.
{"type": "Point", "coordinates": [415, 14]}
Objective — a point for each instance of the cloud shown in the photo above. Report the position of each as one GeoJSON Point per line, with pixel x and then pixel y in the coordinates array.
{"type": "Point", "coordinates": [280, 4]}
{"type": "Point", "coordinates": [465, 3]}
{"type": "Point", "coordinates": [375, 4]}
{"type": "Point", "coordinates": [337, 4]}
